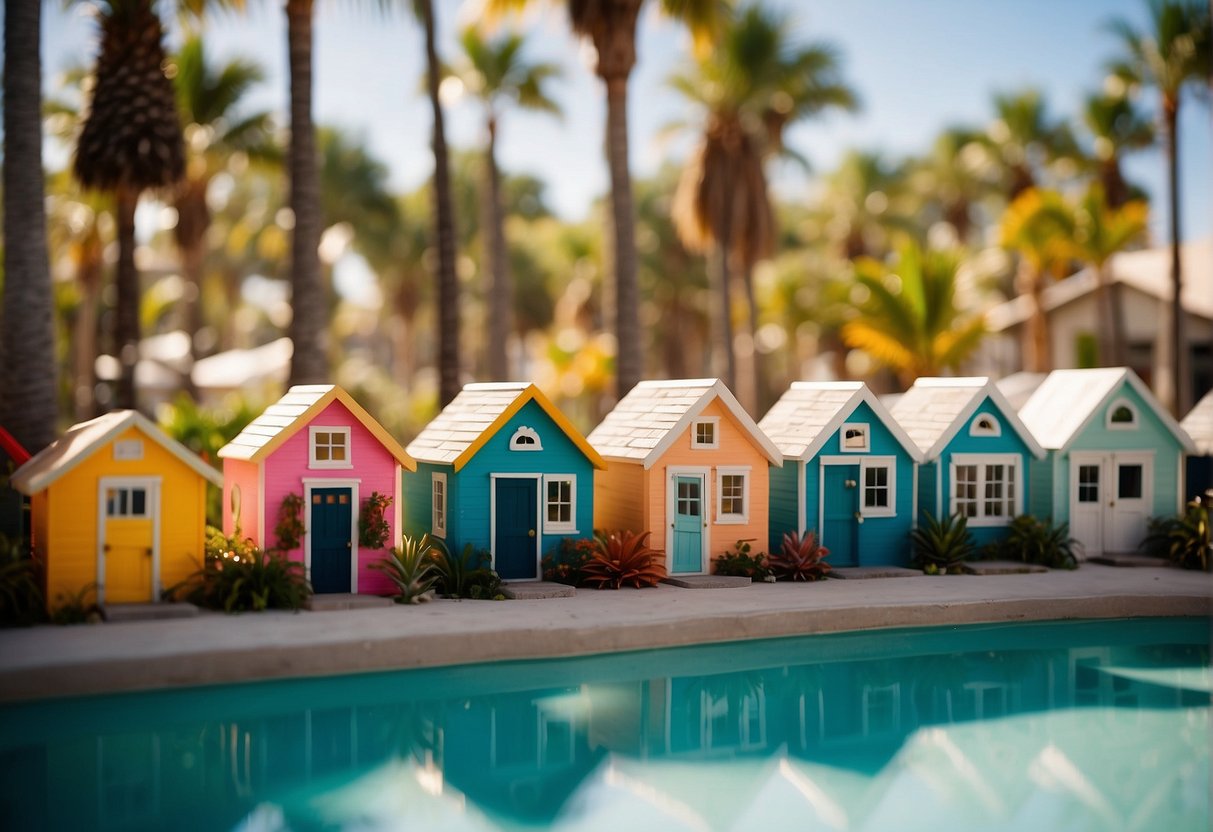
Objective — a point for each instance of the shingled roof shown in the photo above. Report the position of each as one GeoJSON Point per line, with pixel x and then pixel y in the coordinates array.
{"type": "Point", "coordinates": [1199, 425]}
{"type": "Point", "coordinates": [934, 409]}
{"type": "Point", "coordinates": [809, 412]}
{"type": "Point", "coordinates": [1068, 400]}
{"type": "Point", "coordinates": [477, 413]}
{"type": "Point", "coordinates": [297, 408]}
{"type": "Point", "coordinates": [652, 415]}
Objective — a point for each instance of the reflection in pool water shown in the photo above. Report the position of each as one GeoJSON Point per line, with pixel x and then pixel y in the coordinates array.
{"type": "Point", "coordinates": [1040, 726]}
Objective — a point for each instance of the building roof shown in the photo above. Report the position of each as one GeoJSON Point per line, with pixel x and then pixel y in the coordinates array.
{"type": "Point", "coordinates": [83, 440]}
{"type": "Point", "coordinates": [934, 409]}
{"type": "Point", "coordinates": [651, 416]}
{"type": "Point", "coordinates": [1019, 387]}
{"type": "Point", "coordinates": [1199, 425]}
{"type": "Point", "coordinates": [809, 412]}
{"type": "Point", "coordinates": [1148, 271]}
{"type": "Point", "coordinates": [477, 413]}
{"type": "Point", "coordinates": [1067, 401]}
{"type": "Point", "coordinates": [302, 403]}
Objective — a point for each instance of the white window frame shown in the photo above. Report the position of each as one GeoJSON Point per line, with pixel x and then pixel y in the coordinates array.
{"type": "Point", "coordinates": [556, 526]}
{"type": "Point", "coordinates": [524, 431]}
{"type": "Point", "coordinates": [1116, 405]}
{"type": "Point", "coordinates": [980, 519]}
{"type": "Point", "coordinates": [314, 463]}
{"type": "Point", "coordinates": [742, 471]}
{"type": "Point", "coordinates": [976, 429]}
{"type": "Point", "coordinates": [889, 464]}
{"type": "Point", "coordinates": [867, 437]}
{"type": "Point", "coordinates": [714, 421]}
{"type": "Point", "coordinates": [438, 517]}
{"type": "Point", "coordinates": [128, 450]}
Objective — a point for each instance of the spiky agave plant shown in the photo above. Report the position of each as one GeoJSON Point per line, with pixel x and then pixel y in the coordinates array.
{"type": "Point", "coordinates": [623, 557]}
{"type": "Point", "coordinates": [799, 558]}
{"type": "Point", "coordinates": [411, 567]}
{"type": "Point", "coordinates": [941, 545]}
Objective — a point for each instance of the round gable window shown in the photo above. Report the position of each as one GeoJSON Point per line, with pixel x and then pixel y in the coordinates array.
{"type": "Point", "coordinates": [985, 425]}
{"type": "Point", "coordinates": [1122, 415]}
{"type": "Point", "coordinates": [525, 439]}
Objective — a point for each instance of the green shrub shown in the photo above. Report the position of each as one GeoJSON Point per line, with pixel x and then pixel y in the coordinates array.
{"type": "Point", "coordinates": [800, 558]}
{"type": "Point", "coordinates": [1184, 540]}
{"type": "Point", "coordinates": [411, 568]}
{"type": "Point", "coordinates": [373, 528]}
{"type": "Point", "coordinates": [21, 601]}
{"type": "Point", "coordinates": [78, 608]}
{"type": "Point", "coordinates": [566, 563]}
{"type": "Point", "coordinates": [242, 578]}
{"type": "Point", "coordinates": [1038, 541]}
{"type": "Point", "coordinates": [738, 562]}
{"type": "Point", "coordinates": [941, 546]}
{"type": "Point", "coordinates": [469, 575]}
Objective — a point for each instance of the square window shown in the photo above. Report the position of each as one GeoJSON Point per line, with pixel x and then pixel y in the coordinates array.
{"type": "Point", "coordinates": [330, 448]}
{"type": "Point", "coordinates": [876, 487]}
{"type": "Point", "coordinates": [704, 434]}
{"type": "Point", "coordinates": [854, 437]}
{"type": "Point", "coordinates": [559, 511]}
{"type": "Point", "coordinates": [732, 504]}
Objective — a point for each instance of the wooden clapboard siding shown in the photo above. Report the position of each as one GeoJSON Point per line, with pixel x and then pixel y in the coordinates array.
{"type": "Point", "coordinates": [237, 472]}
{"type": "Point", "coordinates": [620, 497]}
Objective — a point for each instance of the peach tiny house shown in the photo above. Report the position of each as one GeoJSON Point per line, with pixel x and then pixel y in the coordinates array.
{"type": "Point", "coordinates": [319, 450]}
{"type": "Point", "coordinates": [686, 462]}
{"type": "Point", "coordinates": [119, 504]}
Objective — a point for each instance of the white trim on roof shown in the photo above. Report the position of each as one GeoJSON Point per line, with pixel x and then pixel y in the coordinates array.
{"type": "Point", "coordinates": [862, 394]}
{"type": "Point", "coordinates": [987, 388]}
{"type": "Point", "coordinates": [715, 389]}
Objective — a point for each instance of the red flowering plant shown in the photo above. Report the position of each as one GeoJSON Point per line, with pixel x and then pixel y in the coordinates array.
{"type": "Point", "coordinates": [566, 563]}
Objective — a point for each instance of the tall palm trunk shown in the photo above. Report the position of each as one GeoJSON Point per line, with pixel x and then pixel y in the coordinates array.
{"type": "Point", "coordinates": [193, 219]}
{"type": "Point", "coordinates": [309, 303]}
{"type": "Point", "coordinates": [444, 228]}
{"type": "Point", "coordinates": [1036, 348]}
{"type": "Point", "coordinates": [724, 360]}
{"type": "Point", "coordinates": [629, 355]}
{"type": "Point", "coordinates": [89, 275]}
{"type": "Point", "coordinates": [1179, 376]}
{"type": "Point", "coordinates": [126, 304]}
{"type": "Point", "coordinates": [753, 381]}
{"type": "Point", "coordinates": [27, 336]}
{"type": "Point", "coordinates": [1111, 336]}
{"type": "Point", "coordinates": [501, 292]}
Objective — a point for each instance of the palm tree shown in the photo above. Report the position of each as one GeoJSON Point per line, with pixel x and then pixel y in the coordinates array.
{"type": "Point", "coordinates": [498, 74]}
{"type": "Point", "coordinates": [209, 99]}
{"type": "Point", "coordinates": [27, 335]}
{"type": "Point", "coordinates": [1039, 227]}
{"type": "Point", "coordinates": [954, 178]}
{"type": "Point", "coordinates": [130, 142]}
{"type": "Point", "coordinates": [753, 84]}
{"type": "Point", "coordinates": [1024, 140]}
{"type": "Point", "coordinates": [1173, 53]}
{"type": "Point", "coordinates": [861, 206]}
{"type": "Point", "coordinates": [1101, 230]}
{"type": "Point", "coordinates": [909, 321]}
{"type": "Point", "coordinates": [1117, 128]}
{"type": "Point", "coordinates": [309, 304]}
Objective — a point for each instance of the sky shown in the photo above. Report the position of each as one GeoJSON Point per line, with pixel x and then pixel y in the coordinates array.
{"type": "Point", "coordinates": [918, 66]}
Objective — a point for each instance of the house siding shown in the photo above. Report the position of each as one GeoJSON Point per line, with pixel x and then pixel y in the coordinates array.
{"type": "Point", "coordinates": [1041, 477]}
{"type": "Point", "coordinates": [238, 472]}
{"type": "Point", "coordinates": [784, 515]}
{"type": "Point", "coordinates": [620, 497]}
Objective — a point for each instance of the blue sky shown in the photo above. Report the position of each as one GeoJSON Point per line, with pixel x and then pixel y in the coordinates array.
{"type": "Point", "coordinates": [918, 65]}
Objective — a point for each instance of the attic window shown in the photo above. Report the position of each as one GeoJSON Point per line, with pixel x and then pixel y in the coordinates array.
{"type": "Point", "coordinates": [705, 434]}
{"type": "Point", "coordinates": [985, 425]}
{"type": "Point", "coordinates": [855, 438]}
{"type": "Point", "coordinates": [130, 450]}
{"type": "Point", "coordinates": [329, 447]}
{"type": "Point", "coordinates": [525, 439]}
{"type": "Point", "coordinates": [1122, 415]}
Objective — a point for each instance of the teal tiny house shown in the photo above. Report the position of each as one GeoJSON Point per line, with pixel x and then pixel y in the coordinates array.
{"type": "Point", "coordinates": [502, 469]}
{"type": "Point", "coordinates": [975, 452]}
{"type": "Point", "coordinates": [1199, 426]}
{"type": "Point", "coordinates": [1115, 456]}
{"type": "Point", "coordinates": [848, 473]}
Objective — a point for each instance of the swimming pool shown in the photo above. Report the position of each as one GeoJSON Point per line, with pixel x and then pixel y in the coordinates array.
{"type": "Point", "coordinates": [1079, 725]}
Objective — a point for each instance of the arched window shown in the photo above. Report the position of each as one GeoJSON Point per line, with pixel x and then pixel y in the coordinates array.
{"type": "Point", "coordinates": [985, 425]}
{"type": "Point", "coordinates": [525, 439]}
{"type": "Point", "coordinates": [1122, 415]}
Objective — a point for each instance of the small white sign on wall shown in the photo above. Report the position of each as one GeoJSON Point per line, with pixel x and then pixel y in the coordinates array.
{"type": "Point", "coordinates": [128, 450]}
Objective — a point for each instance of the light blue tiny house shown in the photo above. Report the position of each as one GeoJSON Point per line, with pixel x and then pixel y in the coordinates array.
{"type": "Point", "coordinates": [502, 468]}
{"type": "Point", "coordinates": [1115, 456]}
{"type": "Point", "coordinates": [1199, 426]}
{"type": "Point", "coordinates": [847, 475]}
{"type": "Point", "coordinates": [976, 452]}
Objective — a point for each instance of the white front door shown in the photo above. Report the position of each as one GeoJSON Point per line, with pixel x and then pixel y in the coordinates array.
{"type": "Point", "coordinates": [1110, 499]}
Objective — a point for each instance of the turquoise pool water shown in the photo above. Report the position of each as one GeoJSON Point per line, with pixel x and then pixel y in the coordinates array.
{"type": "Point", "coordinates": [1088, 725]}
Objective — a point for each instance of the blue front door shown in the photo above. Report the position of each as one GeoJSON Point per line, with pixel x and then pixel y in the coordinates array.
{"type": "Point", "coordinates": [332, 546]}
{"type": "Point", "coordinates": [840, 527]}
{"type": "Point", "coordinates": [514, 541]}
{"type": "Point", "coordinates": [689, 512]}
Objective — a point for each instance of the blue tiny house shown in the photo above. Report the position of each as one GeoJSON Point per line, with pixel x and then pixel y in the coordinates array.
{"type": "Point", "coordinates": [1115, 456]}
{"type": "Point", "coordinates": [976, 452]}
{"type": "Point", "coordinates": [502, 468]}
{"type": "Point", "coordinates": [848, 473]}
{"type": "Point", "coordinates": [1199, 426]}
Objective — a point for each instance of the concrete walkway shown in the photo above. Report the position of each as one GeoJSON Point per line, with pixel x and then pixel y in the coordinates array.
{"type": "Point", "coordinates": [211, 648]}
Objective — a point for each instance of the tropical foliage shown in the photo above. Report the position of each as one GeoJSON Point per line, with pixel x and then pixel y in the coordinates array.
{"type": "Point", "coordinates": [21, 601]}
{"type": "Point", "coordinates": [738, 562]}
{"type": "Point", "coordinates": [624, 558]}
{"type": "Point", "coordinates": [411, 568]}
{"type": "Point", "coordinates": [236, 576]}
{"type": "Point", "coordinates": [1185, 540]}
{"type": "Point", "coordinates": [566, 564]}
{"type": "Point", "coordinates": [466, 575]}
{"type": "Point", "coordinates": [800, 558]}
{"type": "Point", "coordinates": [941, 545]}
{"type": "Point", "coordinates": [1042, 542]}
{"type": "Point", "coordinates": [373, 528]}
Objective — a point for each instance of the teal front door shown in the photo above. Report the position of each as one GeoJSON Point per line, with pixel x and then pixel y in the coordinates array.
{"type": "Point", "coordinates": [514, 543]}
{"type": "Point", "coordinates": [840, 526]}
{"type": "Point", "coordinates": [332, 546]}
{"type": "Point", "coordinates": [689, 514]}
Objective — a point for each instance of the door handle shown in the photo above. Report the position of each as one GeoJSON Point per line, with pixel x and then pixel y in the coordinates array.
{"type": "Point", "coordinates": [349, 544]}
{"type": "Point", "coordinates": [859, 518]}
{"type": "Point", "coordinates": [530, 533]}
{"type": "Point", "coordinates": [148, 551]}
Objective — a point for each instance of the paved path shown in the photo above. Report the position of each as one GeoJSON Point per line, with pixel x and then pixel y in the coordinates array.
{"type": "Point", "coordinates": [209, 649]}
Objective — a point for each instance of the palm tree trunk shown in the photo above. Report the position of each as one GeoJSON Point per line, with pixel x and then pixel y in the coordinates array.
{"type": "Point", "coordinates": [724, 361]}
{"type": "Point", "coordinates": [629, 353]}
{"type": "Point", "coordinates": [126, 305]}
{"type": "Point", "coordinates": [1180, 393]}
{"type": "Point", "coordinates": [309, 303]}
{"type": "Point", "coordinates": [444, 219]}
{"type": "Point", "coordinates": [501, 293]}
{"type": "Point", "coordinates": [84, 340]}
{"type": "Point", "coordinates": [28, 409]}
{"type": "Point", "coordinates": [1111, 337]}
{"type": "Point", "coordinates": [1036, 330]}
{"type": "Point", "coordinates": [751, 384]}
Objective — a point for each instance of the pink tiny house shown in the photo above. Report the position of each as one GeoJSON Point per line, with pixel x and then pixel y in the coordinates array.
{"type": "Point", "coordinates": [318, 444]}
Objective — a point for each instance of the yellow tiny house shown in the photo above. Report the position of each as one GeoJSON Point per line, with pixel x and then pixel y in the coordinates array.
{"type": "Point", "coordinates": [118, 504]}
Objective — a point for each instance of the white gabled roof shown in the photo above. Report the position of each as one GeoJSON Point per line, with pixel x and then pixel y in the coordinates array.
{"type": "Point", "coordinates": [809, 412]}
{"type": "Point", "coordinates": [934, 409]}
{"type": "Point", "coordinates": [83, 440]}
{"type": "Point", "coordinates": [1019, 387]}
{"type": "Point", "coordinates": [651, 416]}
{"type": "Point", "coordinates": [1199, 425]}
{"type": "Point", "coordinates": [1067, 401]}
